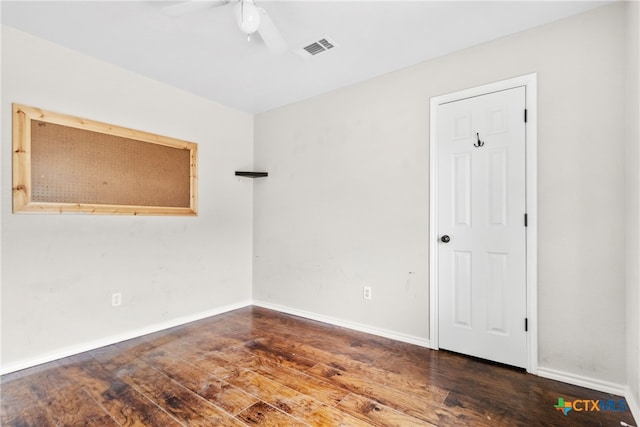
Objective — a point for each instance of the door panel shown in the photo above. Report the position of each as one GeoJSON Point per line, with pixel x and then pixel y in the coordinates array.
{"type": "Point", "coordinates": [462, 285]}
{"type": "Point", "coordinates": [481, 206]}
{"type": "Point", "coordinates": [462, 190]}
{"type": "Point", "coordinates": [496, 283]}
{"type": "Point", "coordinates": [498, 187]}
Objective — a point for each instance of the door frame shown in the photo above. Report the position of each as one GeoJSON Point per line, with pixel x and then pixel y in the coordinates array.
{"type": "Point", "coordinates": [529, 81]}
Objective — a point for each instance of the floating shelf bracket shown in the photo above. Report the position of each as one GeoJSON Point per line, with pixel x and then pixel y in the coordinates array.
{"type": "Point", "coordinates": [252, 174]}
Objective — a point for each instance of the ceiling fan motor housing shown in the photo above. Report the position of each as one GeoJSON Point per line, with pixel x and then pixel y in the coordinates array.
{"type": "Point", "coordinates": [247, 16]}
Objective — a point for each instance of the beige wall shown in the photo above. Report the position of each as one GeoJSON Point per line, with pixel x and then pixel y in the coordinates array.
{"type": "Point", "coordinates": [58, 271]}
{"type": "Point", "coordinates": [633, 200]}
{"type": "Point", "coordinates": [346, 202]}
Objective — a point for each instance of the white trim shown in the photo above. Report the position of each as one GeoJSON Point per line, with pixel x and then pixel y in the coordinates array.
{"type": "Point", "coordinates": [529, 81]}
{"type": "Point", "coordinates": [632, 403]}
{"type": "Point", "coordinates": [92, 345]}
{"type": "Point", "coordinates": [346, 324]}
{"type": "Point", "coordinates": [552, 374]}
{"type": "Point", "coordinates": [433, 226]}
{"type": "Point", "coordinates": [582, 381]}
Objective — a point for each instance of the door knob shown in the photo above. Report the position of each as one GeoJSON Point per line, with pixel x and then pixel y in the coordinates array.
{"type": "Point", "coordinates": [445, 239]}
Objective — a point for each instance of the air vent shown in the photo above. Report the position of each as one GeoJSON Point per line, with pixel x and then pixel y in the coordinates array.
{"type": "Point", "coordinates": [315, 48]}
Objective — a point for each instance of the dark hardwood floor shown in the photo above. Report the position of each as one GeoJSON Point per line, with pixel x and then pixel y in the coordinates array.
{"type": "Point", "coordinates": [258, 367]}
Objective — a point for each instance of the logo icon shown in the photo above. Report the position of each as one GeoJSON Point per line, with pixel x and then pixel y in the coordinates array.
{"type": "Point", "coordinates": [563, 406]}
{"type": "Point", "coordinates": [589, 405]}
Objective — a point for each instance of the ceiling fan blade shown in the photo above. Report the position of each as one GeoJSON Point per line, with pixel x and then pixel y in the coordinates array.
{"type": "Point", "coordinates": [270, 34]}
{"type": "Point", "coordinates": [186, 7]}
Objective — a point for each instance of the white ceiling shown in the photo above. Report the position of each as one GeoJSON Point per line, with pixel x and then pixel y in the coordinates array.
{"type": "Point", "coordinates": [205, 52]}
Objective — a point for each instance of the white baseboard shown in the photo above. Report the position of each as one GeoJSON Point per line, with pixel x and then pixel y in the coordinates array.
{"type": "Point", "coordinates": [582, 381]}
{"type": "Point", "coordinates": [595, 384]}
{"type": "Point", "coordinates": [346, 324]}
{"type": "Point", "coordinates": [569, 378]}
{"type": "Point", "coordinates": [632, 403]}
{"type": "Point", "coordinates": [92, 345]}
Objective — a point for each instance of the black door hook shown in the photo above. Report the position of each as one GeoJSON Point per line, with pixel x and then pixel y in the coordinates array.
{"type": "Point", "coordinates": [479, 143]}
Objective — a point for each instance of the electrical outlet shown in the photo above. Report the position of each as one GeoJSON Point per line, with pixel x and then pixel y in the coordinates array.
{"type": "Point", "coordinates": [366, 292]}
{"type": "Point", "coordinates": [116, 299]}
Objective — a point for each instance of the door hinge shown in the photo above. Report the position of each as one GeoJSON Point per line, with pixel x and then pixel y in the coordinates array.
{"type": "Point", "coordinates": [525, 115]}
{"type": "Point", "coordinates": [526, 324]}
{"type": "Point", "coordinates": [526, 220]}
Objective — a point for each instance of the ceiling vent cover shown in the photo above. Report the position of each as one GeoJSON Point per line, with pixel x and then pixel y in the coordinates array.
{"type": "Point", "coordinates": [322, 45]}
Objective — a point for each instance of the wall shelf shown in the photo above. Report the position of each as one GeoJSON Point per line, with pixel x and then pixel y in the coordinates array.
{"type": "Point", "coordinates": [252, 174]}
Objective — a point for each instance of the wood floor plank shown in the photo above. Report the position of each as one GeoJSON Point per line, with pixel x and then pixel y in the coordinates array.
{"type": "Point", "coordinates": [191, 348]}
{"type": "Point", "coordinates": [264, 348]}
{"type": "Point", "coordinates": [222, 394]}
{"type": "Point", "coordinates": [336, 340]}
{"type": "Point", "coordinates": [33, 416]}
{"type": "Point", "coordinates": [254, 366]}
{"type": "Point", "coordinates": [130, 408]}
{"type": "Point", "coordinates": [44, 378]}
{"type": "Point", "coordinates": [262, 414]}
{"type": "Point", "coordinates": [208, 342]}
{"type": "Point", "coordinates": [20, 406]}
{"type": "Point", "coordinates": [220, 363]}
{"type": "Point", "coordinates": [69, 407]}
{"type": "Point", "coordinates": [113, 357]}
{"type": "Point", "coordinates": [122, 402]}
{"type": "Point", "coordinates": [477, 412]}
{"type": "Point", "coordinates": [329, 417]}
{"type": "Point", "coordinates": [302, 382]}
{"type": "Point", "coordinates": [426, 408]}
{"type": "Point", "coordinates": [339, 344]}
{"type": "Point", "coordinates": [275, 394]}
{"type": "Point", "coordinates": [183, 404]}
{"type": "Point", "coordinates": [407, 383]}
{"type": "Point", "coordinates": [378, 414]}
{"type": "Point", "coordinates": [307, 408]}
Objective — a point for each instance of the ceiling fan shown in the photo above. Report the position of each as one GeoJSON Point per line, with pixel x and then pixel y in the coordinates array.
{"type": "Point", "coordinates": [249, 18]}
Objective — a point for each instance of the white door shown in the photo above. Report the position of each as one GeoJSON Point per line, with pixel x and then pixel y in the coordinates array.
{"type": "Point", "coordinates": [481, 227]}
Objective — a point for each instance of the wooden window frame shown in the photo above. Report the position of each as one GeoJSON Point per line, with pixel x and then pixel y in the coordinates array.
{"type": "Point", "coordinates": [22, 179]}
